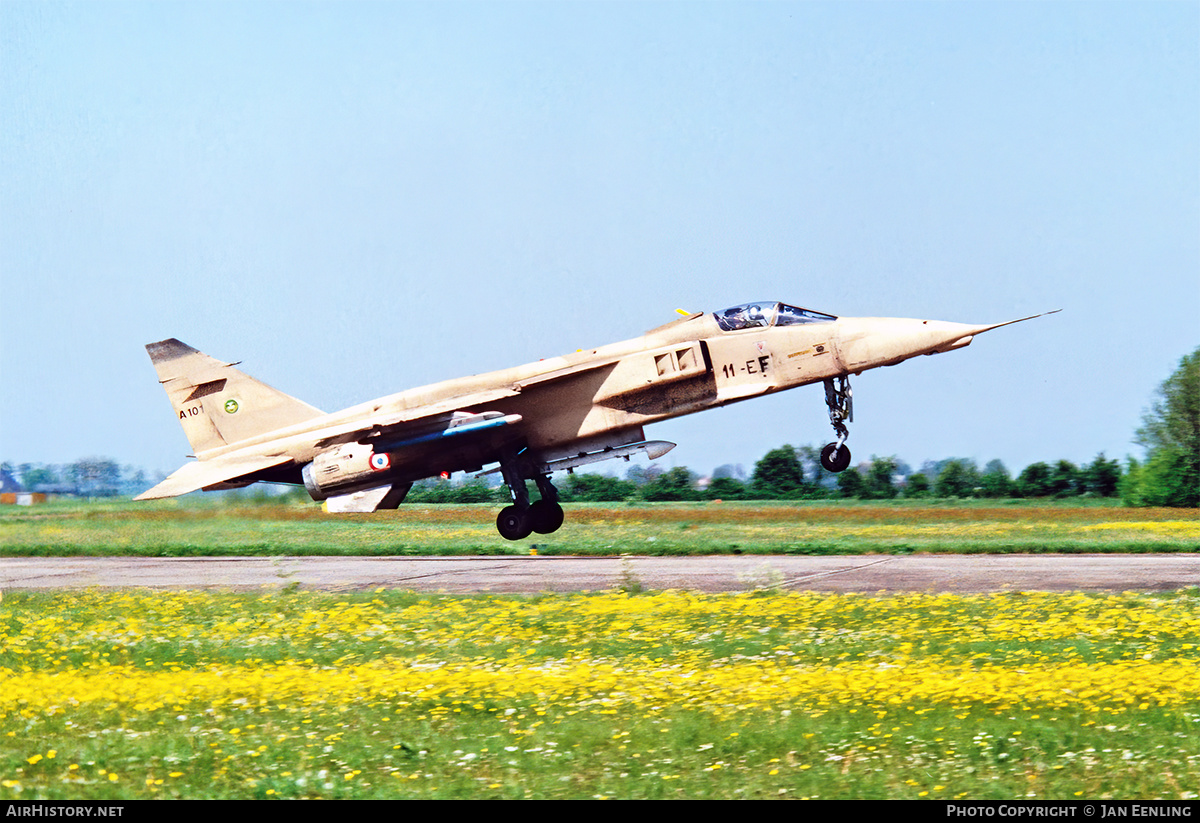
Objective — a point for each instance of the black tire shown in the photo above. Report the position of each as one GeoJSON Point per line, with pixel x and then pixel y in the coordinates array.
{"type": "Point", "coordinates": [545, 517]}
{"type": "Point", "coordinates": [835, 462]}
{"type": "Point", "coordinates": [514, 523]}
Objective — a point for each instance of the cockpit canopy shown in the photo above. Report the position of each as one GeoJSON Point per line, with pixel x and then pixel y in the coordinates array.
{"type": "Point", "coordinates": [767, 313]}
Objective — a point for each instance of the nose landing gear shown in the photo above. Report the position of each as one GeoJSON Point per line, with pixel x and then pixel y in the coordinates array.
{"type": "Point", "coordinates": [835, 457]}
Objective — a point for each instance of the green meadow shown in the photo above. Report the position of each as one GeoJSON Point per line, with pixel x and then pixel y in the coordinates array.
{"type": "Point", "coordinates": [203, 527]}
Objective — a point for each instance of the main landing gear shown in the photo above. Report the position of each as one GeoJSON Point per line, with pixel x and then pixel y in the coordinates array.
{"type": "Point", "coordinates": [835, 457]}
{"type": "Point", "coordinates": [522, 518]}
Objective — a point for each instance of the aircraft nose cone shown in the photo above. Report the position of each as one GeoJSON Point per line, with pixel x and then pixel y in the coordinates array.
{"type": "Point", "coordinates": [867, 342]}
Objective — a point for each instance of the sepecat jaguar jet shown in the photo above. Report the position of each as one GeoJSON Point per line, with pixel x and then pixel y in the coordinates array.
{"type": "Point", "coordinates": [533, 420]}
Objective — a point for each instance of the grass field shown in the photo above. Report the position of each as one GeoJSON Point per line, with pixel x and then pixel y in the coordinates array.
{"type": "Point", "coordinates": [390, 694]}
{"type": "Point", "coordinates": [196, 526]}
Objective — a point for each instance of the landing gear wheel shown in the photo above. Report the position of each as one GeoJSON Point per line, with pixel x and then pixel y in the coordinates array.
{"type": "Point", "coordinates": [545, 517]}
{"type": "Point", "coordinates": [835, 458]}
{"type": "Point", "coordinates": [514, 523]}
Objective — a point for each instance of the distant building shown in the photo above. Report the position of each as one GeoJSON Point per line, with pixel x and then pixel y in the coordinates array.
{"type": "Point", "coordinates": [13, 493]}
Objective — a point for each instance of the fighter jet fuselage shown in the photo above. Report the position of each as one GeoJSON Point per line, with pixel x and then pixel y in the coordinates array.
{"type": "Point", "coordinates": [531, 420]}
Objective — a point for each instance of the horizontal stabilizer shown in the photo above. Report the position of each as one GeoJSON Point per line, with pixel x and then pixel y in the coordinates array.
{"type": "Point", "coordinates": [195, 476]}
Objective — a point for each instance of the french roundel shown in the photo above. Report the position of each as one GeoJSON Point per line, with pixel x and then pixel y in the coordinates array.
{"type": "Point", "coordinates": [379, 462]}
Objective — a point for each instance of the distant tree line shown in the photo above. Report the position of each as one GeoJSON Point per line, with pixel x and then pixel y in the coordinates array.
{"type": "Point", "coordinates": [86, 477]}
{"type": "Point", "coordinates": [789, 473]}
{"type": "Point", "coordinates": [785, 473]}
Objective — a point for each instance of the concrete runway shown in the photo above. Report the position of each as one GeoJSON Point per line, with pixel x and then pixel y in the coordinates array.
{"type": "Point", "coordinates": [863, 573]}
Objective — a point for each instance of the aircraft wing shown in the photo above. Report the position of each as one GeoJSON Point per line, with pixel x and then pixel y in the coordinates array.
{"type": "Point", "coordinates": [443, 414]}
{"type": "Point", "coordinates": [201, 473]}
{"type": "Point", "coordinates": [565, 373]}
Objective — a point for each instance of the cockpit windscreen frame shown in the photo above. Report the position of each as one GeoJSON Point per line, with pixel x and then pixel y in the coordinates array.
{"type": "Point", "coordinates": [766, 313]}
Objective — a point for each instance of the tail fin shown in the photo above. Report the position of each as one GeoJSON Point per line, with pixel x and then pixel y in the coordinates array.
{"type": "Point", "coordinates": [218, 405]}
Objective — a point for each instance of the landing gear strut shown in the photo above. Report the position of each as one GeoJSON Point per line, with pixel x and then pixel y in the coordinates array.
{"type": "Point", "coordinates": [522, 518]}
{"type": "Point", "coordinates": [835, 457]}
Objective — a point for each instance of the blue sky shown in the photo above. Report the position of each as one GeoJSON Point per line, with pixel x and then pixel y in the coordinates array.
{"type": "Point", "coordinates": [358, 198]}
